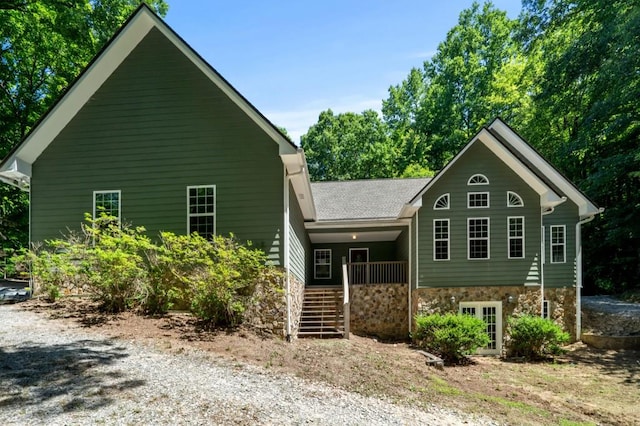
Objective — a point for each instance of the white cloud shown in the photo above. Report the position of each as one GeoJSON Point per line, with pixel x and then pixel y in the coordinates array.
{"type": "Point", "coordinates": [297, 121]}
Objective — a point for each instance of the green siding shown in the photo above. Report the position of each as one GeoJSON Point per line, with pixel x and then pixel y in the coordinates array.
{"type": "Point", "coordinates": [300, 244]}
{"type": "Point", "coordinates": [561, 274]}
{"type": "Point", "coordinates": [498, 270]}
{"type": "Point", "coordinates": [157, 125]}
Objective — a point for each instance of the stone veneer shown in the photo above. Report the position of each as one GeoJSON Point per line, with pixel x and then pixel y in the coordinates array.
{"type": "Point", "coordinates": [269, 313]}
{"type": "Point", "coordinates": [379, 310]}
{"type": "Point", "coordinates": [526, 300]}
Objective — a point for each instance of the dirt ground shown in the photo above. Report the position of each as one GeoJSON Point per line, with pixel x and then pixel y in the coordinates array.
{"type": "Point", "coordinates": [585, 386]}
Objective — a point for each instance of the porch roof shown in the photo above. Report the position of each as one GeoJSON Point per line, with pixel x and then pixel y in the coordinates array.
{"type": "Point", "coordinates": [364, 199]}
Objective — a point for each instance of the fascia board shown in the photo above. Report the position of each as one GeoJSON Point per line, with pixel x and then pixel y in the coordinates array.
{"type": "Point", "coordinates": [82, 90]}
{"type": "Point", "coordinates": [109, 60]}
{"type": "Point", "coordinates": [547, 195]}
{"type": "Point", "coordinates": [585, 206]}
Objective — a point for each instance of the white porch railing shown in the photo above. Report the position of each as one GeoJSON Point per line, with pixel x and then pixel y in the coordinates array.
{"type": "Point", "coordinates": [377, 272]}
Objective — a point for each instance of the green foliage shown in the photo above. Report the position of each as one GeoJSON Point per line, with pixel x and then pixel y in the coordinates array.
{"type": "Point", "coordinates": [123, 268]}
{"type": "Point", "coordinates": [534, 337]}
{"type": "Point", "coordinates": [221, 279]}
{"type": "Point", "coordinates": [113, 262]}
{"type": "Point", "coordinates": [45, 45]}
{"type": "Point", "coordinates": [450, 336]}
{"type": "Point", "coordinates": [349, 146]}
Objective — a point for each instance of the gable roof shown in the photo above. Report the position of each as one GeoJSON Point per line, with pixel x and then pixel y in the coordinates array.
{"type": "Point", "coordinates": [534, 160]}
{"type": "Point", "coordinates": [15, 169]}
{"type": "Point", "coordinates": [517, 154]}
{"type": "Point", "coordinates": [370, 199]}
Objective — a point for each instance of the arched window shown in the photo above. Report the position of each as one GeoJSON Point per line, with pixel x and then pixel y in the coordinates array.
{"type": "Point", "coordinates": [478, 179]}
{"type": "Point", "coordinates": [514, 200]}
{"type": "Point", "coordinates": [442, 203]}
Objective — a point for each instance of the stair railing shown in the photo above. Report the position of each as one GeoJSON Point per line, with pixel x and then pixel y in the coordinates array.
{"type": "Point", "coordinates": [346, 309]}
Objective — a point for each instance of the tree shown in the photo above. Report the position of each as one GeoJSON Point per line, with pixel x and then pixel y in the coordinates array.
{"type": "Point", "coordinates": [476, 75]}
{"type": "Point", "coordinates": [349, 146]}
{"type": "Point", "coordinates": [43, 46]}
{"type": "Point", "coordinates": [587, 120]}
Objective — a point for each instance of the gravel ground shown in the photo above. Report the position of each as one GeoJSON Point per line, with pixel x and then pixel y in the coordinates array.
{"type": "Point", "coordinates": [62, 376]}
{"type": "Point", "coordinates": [610, 305]}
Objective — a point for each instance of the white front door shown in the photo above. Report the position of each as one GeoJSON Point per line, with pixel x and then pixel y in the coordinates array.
{"type": "Point", "coordinates": [491, 314]}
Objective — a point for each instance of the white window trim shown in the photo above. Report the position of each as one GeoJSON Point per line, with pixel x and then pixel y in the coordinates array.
{"type": "Point", "coordinates": [478, 183]}
{"type": "Point", "coordinates": [119, 192]}
{"type": "Point", "coordinates": [546, 306]}
{"type": "Point", "coordinates": [215, 207]}
{"type": "Point", "coordinates": [511, 193]}
{"type": "Point", "coordinates": [315, 264]}
{"type": "Point", "coordinates": [488, 238]}
{"type": "Point", "coordinates": [478, 306]}
{"type": "Point", "coordinates": [509, 237]}
{"type": "Point", "coordinates": [448, 240]}
{"type": "Point", "coordinates": [469, 194]}
{"type": "Point", "coordinates": [448, 198]}
{"type": "Point", "coordinates": [552, 244]}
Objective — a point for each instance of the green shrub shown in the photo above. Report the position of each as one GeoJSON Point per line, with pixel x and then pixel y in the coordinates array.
{"type": "Point", "coordinates": [534, 337]}
{"type": "Point", "coordinates": [220, 276]}
{"type": "Point", "coordinates": [113, 262]}
{"type": "Point", "coordinates": [216, 279]}
{"type": "Point", "coordinates": [450, 336]}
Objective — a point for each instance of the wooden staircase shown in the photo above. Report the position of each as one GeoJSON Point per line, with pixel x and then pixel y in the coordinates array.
{"type": "Point", "coordinates": [322, 313]}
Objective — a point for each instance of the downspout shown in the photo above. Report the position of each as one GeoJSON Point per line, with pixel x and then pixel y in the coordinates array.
{"type": "Point", "coordinates": [579, 272]}
{"type": "Point", "coordinates": [417, 257]}
{"type": "Point", "coordinates": [409, 281]}
{"type": "Point", "coordinates": [287, 255]}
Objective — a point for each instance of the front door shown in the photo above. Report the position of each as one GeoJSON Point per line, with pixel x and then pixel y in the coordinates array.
{"type": "Point", "coordinates": [358, 271]}
{"type": "Point", "coordinates": [491, 314]}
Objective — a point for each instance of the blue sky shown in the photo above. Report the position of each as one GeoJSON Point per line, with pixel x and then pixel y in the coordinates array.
{"type": "Point", "coordinates": [294, 59]}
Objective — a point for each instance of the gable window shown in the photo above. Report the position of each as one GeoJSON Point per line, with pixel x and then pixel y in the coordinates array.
{"type": "Point", "coordinates": [441, 239]}
{"type": "Point", "coordinates": [201, 207]}
{"type": "Point", "coordinates": [477, 200]}
{"type": "Point", "coordinates": [442, 203]}
{"type": "Point", "coordinates": [322, 264]}
{"type": "Point", "coordinates": [478, 180]}
{"type": "Point", "coordinates": [514, 200]}
{"type": "Point", "coordinates": [558, 244]}
{"type": "Point", "coordinates": [515, 238]}
{"type": "Point", "coordinates": [106, 203]}
{"type": "Point", "coordinates": [478, 238]}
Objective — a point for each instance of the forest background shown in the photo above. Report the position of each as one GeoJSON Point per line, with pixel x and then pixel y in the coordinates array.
{"type": "Point", "coordinates": [565, 74]}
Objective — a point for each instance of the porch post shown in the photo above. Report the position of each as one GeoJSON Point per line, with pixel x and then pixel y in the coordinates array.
{"type": "Point", "coordinates": [346, 308]}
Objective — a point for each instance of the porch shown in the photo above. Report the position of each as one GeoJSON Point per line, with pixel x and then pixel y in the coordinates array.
{"type": "Point", "coordinates": [370, 300]}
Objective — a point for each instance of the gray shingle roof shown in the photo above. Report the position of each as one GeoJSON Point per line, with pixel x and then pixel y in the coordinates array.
{"type": "Point", "coordinates": [364, 199]}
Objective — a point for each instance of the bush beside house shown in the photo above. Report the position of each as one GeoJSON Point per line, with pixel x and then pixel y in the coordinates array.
{"type": "Point", "coordinates": [218, 280]}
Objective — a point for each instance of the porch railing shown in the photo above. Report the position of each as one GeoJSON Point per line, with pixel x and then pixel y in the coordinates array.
{"type": "Point", "coordinates": [378, 272]}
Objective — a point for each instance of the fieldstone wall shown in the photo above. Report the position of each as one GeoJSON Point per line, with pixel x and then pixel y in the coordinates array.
{"type": "Point", "coordinates": [379, 310]}
{"type": "Point", "coordinates": [524, 300]}
{"type": "Point", "coordinates": [296, 289]}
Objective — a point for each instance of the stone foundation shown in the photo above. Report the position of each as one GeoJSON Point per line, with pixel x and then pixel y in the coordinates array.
{"type": "Point", "coordinates": [379, 310]}
{"type": "Point", "coordinates": [296, 299]}
{"type": "Point", "coordinates": [524, 300]}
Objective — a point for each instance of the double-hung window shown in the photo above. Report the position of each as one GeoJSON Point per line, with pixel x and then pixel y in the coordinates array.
{"type": "Point", "coordinates": [558, 244]}
{"type": "Point", "coordinates": [441, 239]}
{"type": "Point", "coordinates": [201, 210]}
{"type": "Point", "coordinates": [478, 238]}
{"type": "Point", "coordinates": [515, 237]}
{"type": "Point", "coordinates": [322, 264]}
{"type": "Point", "coordinates": [106, 203]}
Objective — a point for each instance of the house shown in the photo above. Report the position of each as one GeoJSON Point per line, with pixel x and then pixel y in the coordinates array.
{"type": "Point", "coordinates": [152, 134]}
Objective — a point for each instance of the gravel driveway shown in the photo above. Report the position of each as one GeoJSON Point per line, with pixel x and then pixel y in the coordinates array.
{"type": "Point", "coordinates": [54, 375]}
